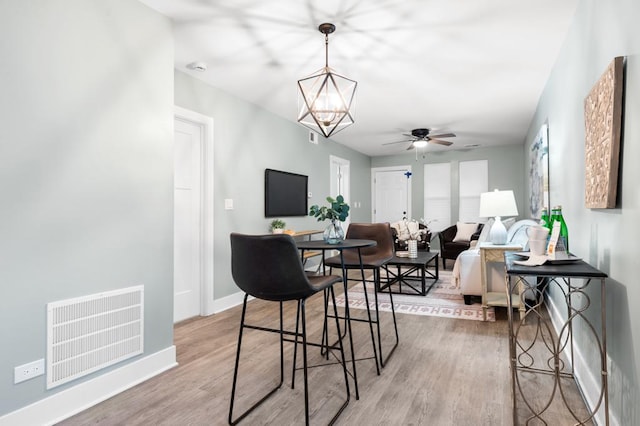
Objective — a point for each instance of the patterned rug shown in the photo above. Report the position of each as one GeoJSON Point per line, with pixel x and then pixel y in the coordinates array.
{"type": "Point", "coordinates": [443, 300]}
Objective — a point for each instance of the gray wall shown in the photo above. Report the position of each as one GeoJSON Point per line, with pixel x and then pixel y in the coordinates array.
{"type": "Point", "coordinates": [248, 139]}
{"type": "Point", "coordinates": [505, 172]}
{"type": "Point", "coordinates": [607, 239]}
{"type": "Point", "coordinates": [86, 169]}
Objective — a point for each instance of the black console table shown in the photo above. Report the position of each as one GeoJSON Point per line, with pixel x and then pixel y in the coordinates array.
{"type": "Point", "coordinates": [533, 335]}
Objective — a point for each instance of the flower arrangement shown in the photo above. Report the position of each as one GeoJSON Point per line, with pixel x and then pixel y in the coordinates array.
{"type": "Point", "coordinates": [337, 210]}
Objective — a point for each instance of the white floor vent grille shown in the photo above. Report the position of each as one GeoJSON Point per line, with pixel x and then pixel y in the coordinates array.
{"type": "Point", "coordinates": [88, 333]}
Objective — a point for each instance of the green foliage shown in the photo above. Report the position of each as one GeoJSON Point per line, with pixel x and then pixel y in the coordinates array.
{"type": "Point", "coordinates": [277, 224]}
{"type": "Point", "coordinates": [337, 210]}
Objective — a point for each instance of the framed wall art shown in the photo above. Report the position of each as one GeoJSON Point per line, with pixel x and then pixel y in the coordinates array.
{"type": "Point", "coordinates": [603, 120]}
{"type": "Point", "coordinates": [539, 173]}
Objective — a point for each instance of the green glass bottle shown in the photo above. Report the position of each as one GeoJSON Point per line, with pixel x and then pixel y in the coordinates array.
{"type": "Point", "coordinates": [545, 220]}
{"type": "Point", "coordinates": [556, 216]}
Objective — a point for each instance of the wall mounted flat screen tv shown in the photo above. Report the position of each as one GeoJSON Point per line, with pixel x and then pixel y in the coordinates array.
{"type": "Point", "coordinates": [285, 194]}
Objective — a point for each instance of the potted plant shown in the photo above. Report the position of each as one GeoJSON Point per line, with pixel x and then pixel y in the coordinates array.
{"type": "Point", "coordinates": [336, 212]}
{"type": "Point", "coordinates": [277, 226]}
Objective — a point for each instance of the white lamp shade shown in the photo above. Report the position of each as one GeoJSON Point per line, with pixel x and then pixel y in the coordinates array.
{"type": "Point", "coordinates": [498, 203]}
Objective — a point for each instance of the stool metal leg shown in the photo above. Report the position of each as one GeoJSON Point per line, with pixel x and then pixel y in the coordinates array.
{"type": "Point", "coordinates": [342, 359]}
{"type": "Point", "coordinates": [235, 370]}
{"type": "Point", "coordinates": [301, 322]}
{"type": "Point", "coordinates": [383, 360]}
{"type": "Point", "coordinates": [281, 345]}
{"type": "Point", "coordinates": [295, 347]}
{"type": "Point", "coordinates": [366, 301]}
{"type": "Point", "coordinates": [347, 315]}
{"type": "Point", "coordinates": [304, 361]}
{"type": "Point", "coordinates": [324, 348]}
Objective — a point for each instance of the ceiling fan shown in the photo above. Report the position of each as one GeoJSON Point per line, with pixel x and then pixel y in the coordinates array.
{"type": "Point", "coordinates": [420, 138]}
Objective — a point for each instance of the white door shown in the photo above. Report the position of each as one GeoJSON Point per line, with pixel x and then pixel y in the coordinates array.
{"type": "Point", "coordinates": [187, 220]}
{"type": "Point", "coordinates": [340, 181]}
{"type": "Point", "coordinates": [391, 193]}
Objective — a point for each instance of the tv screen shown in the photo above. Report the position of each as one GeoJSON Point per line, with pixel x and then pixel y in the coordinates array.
{"type": "Point", "coordinates": [285, 194]}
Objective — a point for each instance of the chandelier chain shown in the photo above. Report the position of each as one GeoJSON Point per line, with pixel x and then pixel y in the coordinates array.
{"type": "Point", "coordinates": [326, 50]}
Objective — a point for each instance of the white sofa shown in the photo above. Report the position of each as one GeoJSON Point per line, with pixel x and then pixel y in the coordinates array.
{"type": "Point", "coordinates": [467, 270]}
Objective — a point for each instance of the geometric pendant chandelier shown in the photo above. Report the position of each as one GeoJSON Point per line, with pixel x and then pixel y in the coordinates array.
{"type": "Point", "coordinates": [325, 98]}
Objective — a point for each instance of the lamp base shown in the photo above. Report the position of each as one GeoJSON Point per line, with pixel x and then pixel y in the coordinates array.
{"type": "Point", "coordinates": [498, 233]}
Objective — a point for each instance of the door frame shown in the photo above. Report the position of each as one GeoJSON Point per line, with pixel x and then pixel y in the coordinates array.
{"type": "Point", "coordinates": [374, 170]}
{"type": "Point", "coordinates": [206, 209]}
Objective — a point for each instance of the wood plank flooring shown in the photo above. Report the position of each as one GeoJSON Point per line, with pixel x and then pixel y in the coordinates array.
{"type": "Point", "coordinates": [444, 372]}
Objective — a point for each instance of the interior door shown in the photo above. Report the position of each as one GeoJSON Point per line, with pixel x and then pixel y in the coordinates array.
{"type": "Point", "coordinates": [391, 193]}
{"type": "Point", "coordinates": [188, 140]}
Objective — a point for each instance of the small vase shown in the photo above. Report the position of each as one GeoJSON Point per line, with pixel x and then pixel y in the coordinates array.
{"type": "Point", "coordinates": [412, 245]}
{"type": "Point", "coordinates": [333, 234]}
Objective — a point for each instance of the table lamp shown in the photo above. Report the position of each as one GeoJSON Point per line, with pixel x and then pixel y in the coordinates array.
{"type": "Point", "coordinates": [498, 204]}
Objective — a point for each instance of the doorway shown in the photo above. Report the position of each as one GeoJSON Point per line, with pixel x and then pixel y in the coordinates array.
{"type": "Point", "coordinates": [193, 214]}
{"type": "Point", "coordinates": [340, 181]}
{"type": "Point", "coordinates": [391, 193]}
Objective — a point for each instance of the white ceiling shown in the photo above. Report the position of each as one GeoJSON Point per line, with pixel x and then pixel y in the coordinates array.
{"type": "Point", "coordinates": [472, 67]}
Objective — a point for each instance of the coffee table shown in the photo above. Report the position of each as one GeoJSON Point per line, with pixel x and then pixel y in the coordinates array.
{"type": "Point", "coordinates": [412, 271]}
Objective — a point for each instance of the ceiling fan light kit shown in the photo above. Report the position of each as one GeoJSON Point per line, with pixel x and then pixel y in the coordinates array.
{"type": "Point", "coordinates": [421, 137]}
{"type": "Point", "coordinates": [326, 98]}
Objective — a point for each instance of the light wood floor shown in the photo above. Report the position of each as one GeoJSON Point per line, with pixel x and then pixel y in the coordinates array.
{"type": "Point", "coordinates": [444, 372]}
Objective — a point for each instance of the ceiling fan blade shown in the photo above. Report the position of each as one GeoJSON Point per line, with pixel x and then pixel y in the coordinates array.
{"type": "Point", "coordinates": [444, 135]}
{"type": "Point", "coordinates": [410, 147]}
{"type": "Point", "coordinates": [392, 143]}
{"type": "Point", "coordinates": [439, 142]}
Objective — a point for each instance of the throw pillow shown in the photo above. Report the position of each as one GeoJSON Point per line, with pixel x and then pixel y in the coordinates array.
{"type": "Point", "coordinates": [413, 227]}
{"type": "Point", "coordinates": [464, 231]}
{"type": "Point", "coordinates": [401, 229]}
{"type": "Point", "coordinates": [396, 226]}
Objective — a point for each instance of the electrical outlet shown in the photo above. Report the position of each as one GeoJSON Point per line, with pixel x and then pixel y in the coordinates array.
{"type": "Point", "coordinates": [28, 371]}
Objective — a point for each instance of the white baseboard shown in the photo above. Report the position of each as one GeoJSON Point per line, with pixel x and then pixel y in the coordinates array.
{"type": "Point", "coordinates": [228, 302]}
{"type": "Point", "coordinates": [66, 403]}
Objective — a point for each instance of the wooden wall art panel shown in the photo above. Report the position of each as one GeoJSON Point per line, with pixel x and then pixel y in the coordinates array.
{"type": "Point", "coordinates": [603, 117]}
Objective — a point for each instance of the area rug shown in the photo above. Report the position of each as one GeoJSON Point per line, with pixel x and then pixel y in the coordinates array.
{"type": "Point", "coordinates": [443, 300]}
